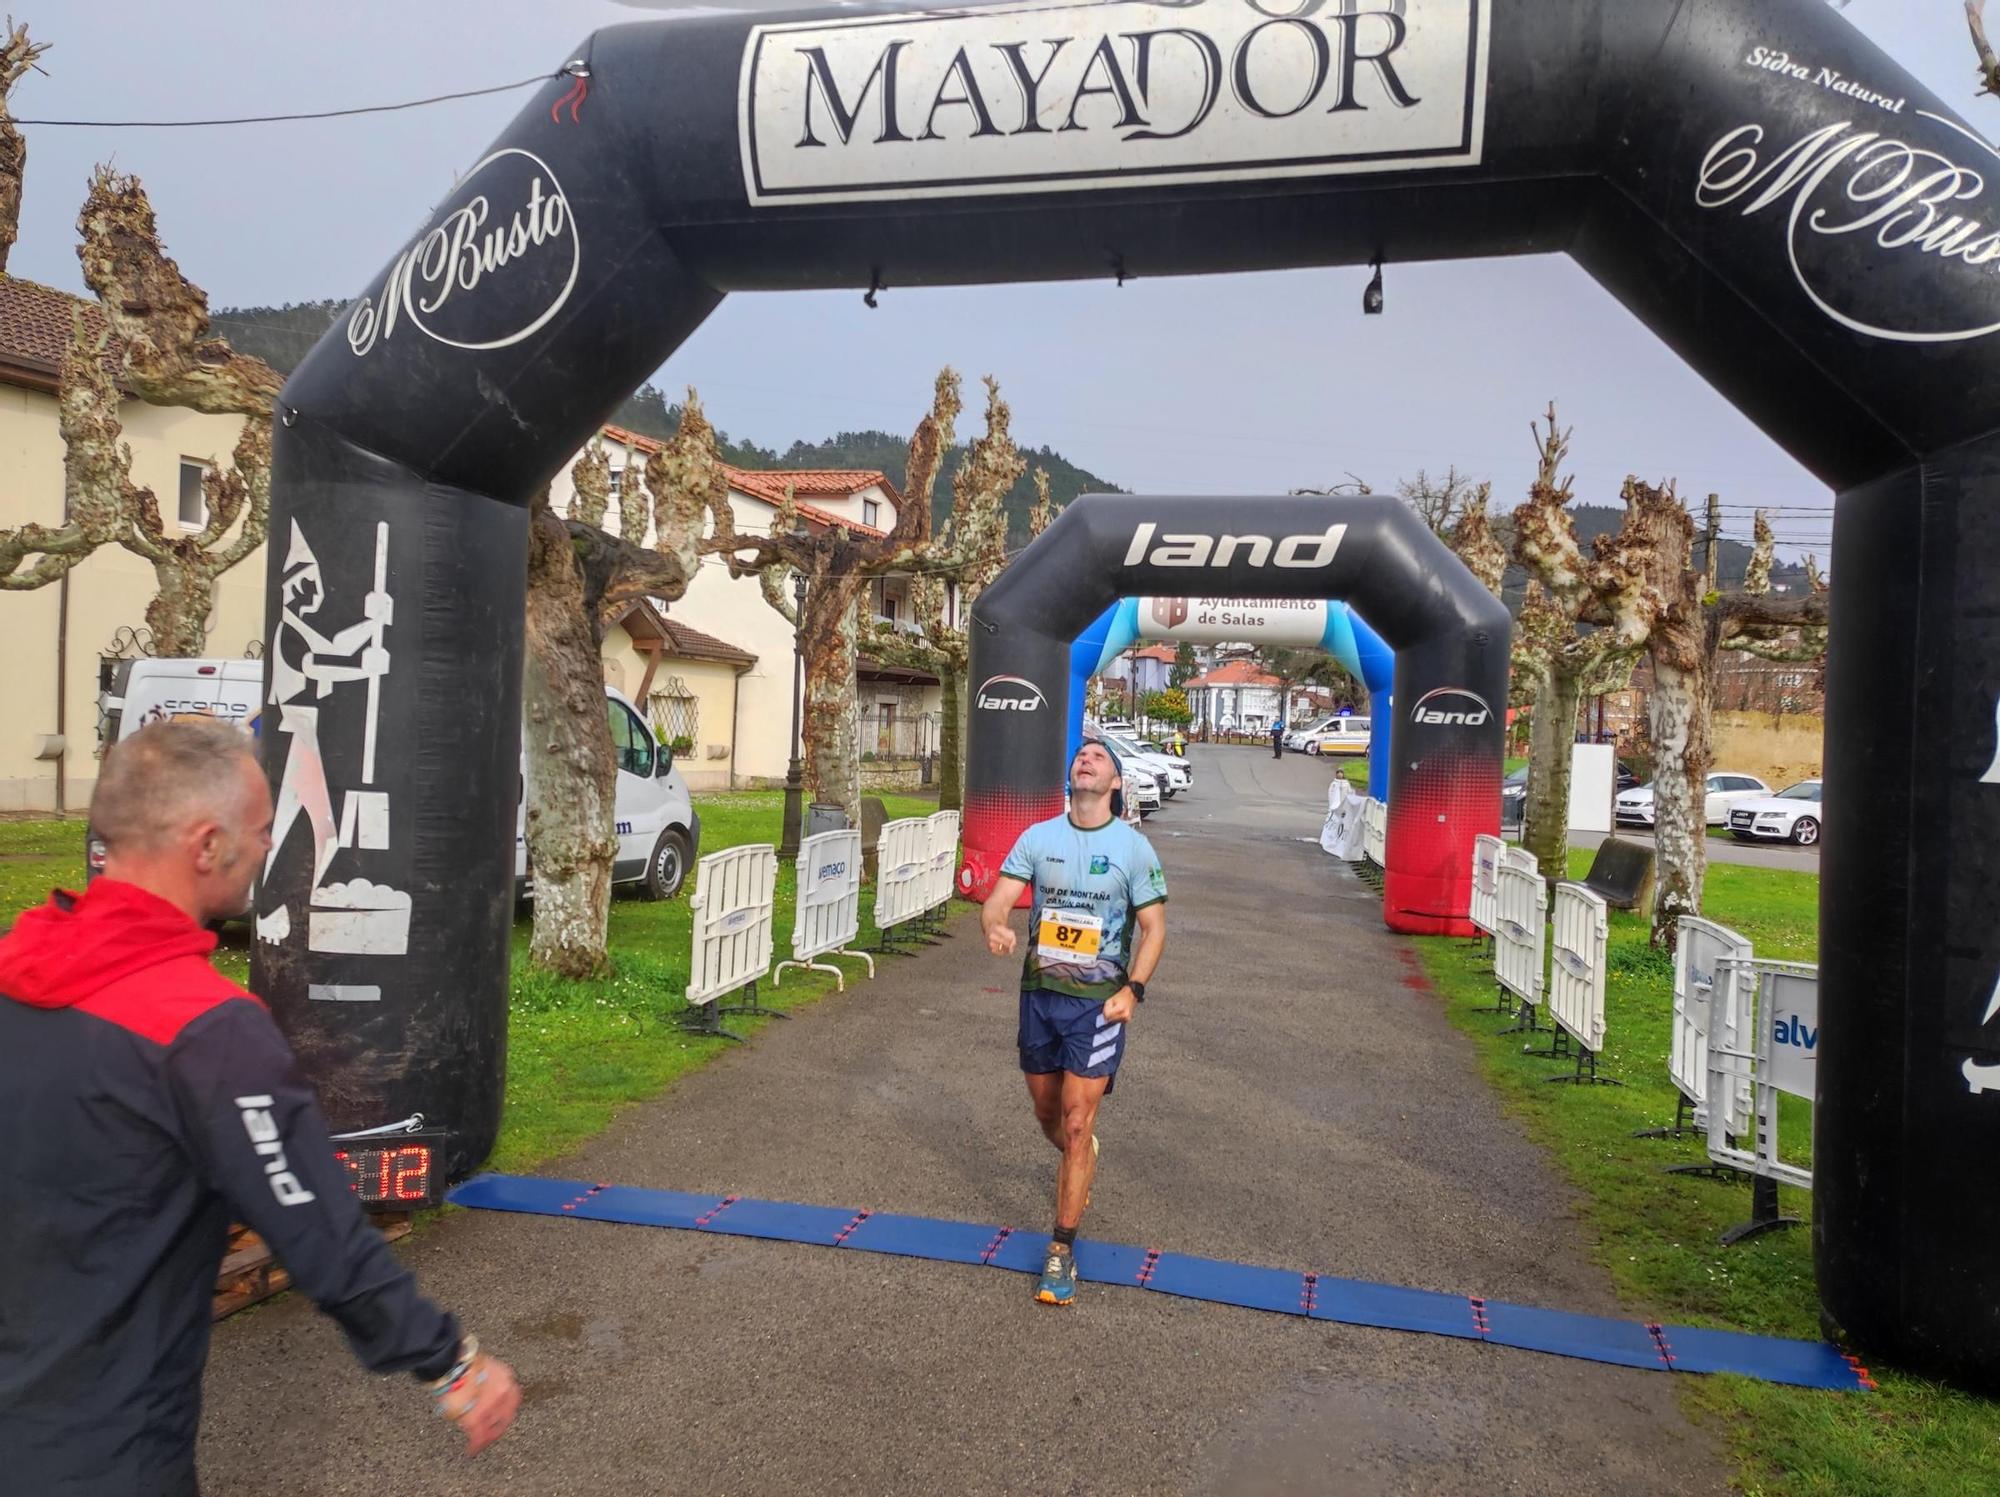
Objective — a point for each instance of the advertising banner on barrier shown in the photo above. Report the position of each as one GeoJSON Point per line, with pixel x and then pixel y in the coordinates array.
{"type": "Point", "coordinates": [828, 913]}
{"type": "Point", "coordinates": [1791, 1030]}
{"type": "Point", "coordinates": [1375, 824]}
{"type": "Point", "coordinates": [732, 903]}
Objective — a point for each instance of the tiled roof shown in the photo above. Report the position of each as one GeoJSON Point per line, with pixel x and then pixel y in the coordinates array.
{"type": "Point", "coordinates": [692, 644]}
{"type": "Point", "coordinates": [769, 484]}
{"type": "Point", "coordinates": [1237, 673]}
{"type": "Point", "coordinates": [643, 619]}
{"type": "Point", "coordinates": [1158, 652]}
{"type": "Point", "coordinates": [35, 327]}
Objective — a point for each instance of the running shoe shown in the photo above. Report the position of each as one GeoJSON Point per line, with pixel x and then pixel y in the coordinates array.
{"type": "Point", "coordinates": [1058, 1285]}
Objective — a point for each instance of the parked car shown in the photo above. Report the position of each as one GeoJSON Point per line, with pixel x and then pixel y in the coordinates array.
{"type": "Point", "coordinates": [1792, 815]}
{"type": "Point", "coordinates": [1295, 740]}
{"type": "Point", "coordinates": [1172, 771]}
{"type": "Point", "coordinates": [1725, 789]}
{"type": "Point", "coordinates": [1344, 735]}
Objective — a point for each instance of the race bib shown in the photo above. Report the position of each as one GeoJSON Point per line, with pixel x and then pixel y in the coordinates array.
{"type": "Point", "coordinates": [1069, 936]}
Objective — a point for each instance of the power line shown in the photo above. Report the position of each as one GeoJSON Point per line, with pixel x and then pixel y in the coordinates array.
{"type": "Point", "coordinates": [278, 119]}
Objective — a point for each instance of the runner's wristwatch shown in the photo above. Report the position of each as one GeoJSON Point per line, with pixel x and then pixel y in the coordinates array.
{"type": "Point", "coordinates": [1138, 990]}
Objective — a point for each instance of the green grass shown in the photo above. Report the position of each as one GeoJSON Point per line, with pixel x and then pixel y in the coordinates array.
{"type": "Point", "coordinates": [578, 1052]}
{"type": "Point", "coordinates": [1656, 1233]}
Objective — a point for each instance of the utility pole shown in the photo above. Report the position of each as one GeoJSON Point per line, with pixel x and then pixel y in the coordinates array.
{"type": "Point", "coordinates": [1714, 533]}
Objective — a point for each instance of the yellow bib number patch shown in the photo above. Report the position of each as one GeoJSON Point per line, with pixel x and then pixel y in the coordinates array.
{"type": "Point", "coordinates": [1069, 936]}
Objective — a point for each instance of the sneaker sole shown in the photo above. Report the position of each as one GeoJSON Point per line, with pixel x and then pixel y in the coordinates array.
{"type": "Point", "coordinates": [1043, 1297]}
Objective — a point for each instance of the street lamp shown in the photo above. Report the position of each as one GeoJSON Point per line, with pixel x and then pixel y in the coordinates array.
{"type": "Point", "coordinates": [795, 772]}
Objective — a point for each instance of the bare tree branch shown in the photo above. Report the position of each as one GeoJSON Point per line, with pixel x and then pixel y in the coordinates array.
{"type": "Point", "coordinates": [1989, 65]}
{"type": "Point", "coordinates": [17, 55]}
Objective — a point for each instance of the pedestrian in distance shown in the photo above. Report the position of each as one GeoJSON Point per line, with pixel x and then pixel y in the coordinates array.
{"type": "Point", "coordinates": [1278, 739]}
{"type": "Point", "coordinates": [1096, 884]}
{"type": "Point", "coordinates": [146, 1102]}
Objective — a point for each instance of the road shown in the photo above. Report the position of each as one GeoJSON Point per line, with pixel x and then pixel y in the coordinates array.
{"type": "Point", "coordinates": [1293, 1095]}
{"type": "Point", "coordinates": [1727, 850]}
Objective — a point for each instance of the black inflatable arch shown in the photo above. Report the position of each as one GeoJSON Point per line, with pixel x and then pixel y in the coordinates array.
{"type": "Point", "coordinates": [1451, 638]}
{"type": "Point", "coordinates": [1784, 205]}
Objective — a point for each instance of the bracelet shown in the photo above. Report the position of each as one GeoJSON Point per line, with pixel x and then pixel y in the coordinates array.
{"type": "Point", "coordinates": [468, 1353]}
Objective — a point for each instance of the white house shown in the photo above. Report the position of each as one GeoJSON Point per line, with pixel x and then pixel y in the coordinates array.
{"type": "Point", "coordinates": [898, 708]}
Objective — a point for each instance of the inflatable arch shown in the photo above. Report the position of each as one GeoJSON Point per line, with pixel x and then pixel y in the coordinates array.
{"type": "Point", "coordinates": [1333, 627]}
{"type": "Point", "coordinates": [1451, 637]}
{"type": "Point", "coordinates": [1793, 213]}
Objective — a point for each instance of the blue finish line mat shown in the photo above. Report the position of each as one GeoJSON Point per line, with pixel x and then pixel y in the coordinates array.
{"type": "Point", "coordinates": [1594, 1338]}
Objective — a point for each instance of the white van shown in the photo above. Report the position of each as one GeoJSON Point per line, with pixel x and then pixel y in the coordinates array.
{"type": "Point", "coordinates": [659, 834]}
{"type": "Point", "coordinates": [1344, 735]}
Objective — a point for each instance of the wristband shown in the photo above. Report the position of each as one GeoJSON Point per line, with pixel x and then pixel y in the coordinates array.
{"type": "Point", "coordinates": [468, 1352]}
{"type": "Point", "coordinates": [1138, 990]}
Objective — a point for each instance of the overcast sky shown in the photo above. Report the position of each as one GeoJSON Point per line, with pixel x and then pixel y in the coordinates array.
{"type": "Point", "coordinates": [1254, 384]}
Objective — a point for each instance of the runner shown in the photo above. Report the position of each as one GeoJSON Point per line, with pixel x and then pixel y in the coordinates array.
{"type": "Point", "coordinates": [1094, 878]}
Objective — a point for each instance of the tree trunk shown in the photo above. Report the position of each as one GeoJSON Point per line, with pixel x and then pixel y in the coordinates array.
{"type": "Point", "coordinates": [951, 746]}
{"type": "Point", "coordinates": [572, 776]}
{"type": "Point", "coordinates": [1677, 716]}
{"type": "Point", "coordinates": [178, 613]}
{"type": "Point", "coordinates": [1545, 832]}
{"type": "Point", "coordinates": [832, 630]}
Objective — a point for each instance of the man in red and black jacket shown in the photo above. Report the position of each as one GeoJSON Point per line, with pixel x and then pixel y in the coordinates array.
{"type": "Point", "coordinates": [145, 1102]}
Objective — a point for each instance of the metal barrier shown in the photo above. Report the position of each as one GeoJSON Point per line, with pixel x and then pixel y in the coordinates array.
{"type": "Point", "coordinates": [1375, 835]}
{"type": "Point", "coordinates": [1582, 924]}
{"type": "Point", "coordinates": [1520, 931]}
{"type": "Point", "coordinates": [1486, 852]}
{"type": "Point", "coordinates": [828, 913]}
{"type": "Point", "coordinates": [734, 891]}
{"type": "Point", "coordinates": [1778, 1012]}
{"type": "Point", "coordinates": [1705, 1004]}
{"type": "Point", "coordinates": [902, 873]}
{"type": "Point", "coordinates": [944, 830]}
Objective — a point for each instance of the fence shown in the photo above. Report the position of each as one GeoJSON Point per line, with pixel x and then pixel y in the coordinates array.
{"type": "Point", "coordinates": [828, 914]}
{"type": "Point", "coordinates": [1375, 832]}
{"type": "Point", "coordinates": [1778, 1012]}
{"type": "Point", "coordinates": [1705, 1005]}
{"type": "Point", "coordinates": [944, 831]}
{"type": "Point", "coordinates": [1520, 931]}
{"type": "Point", "coordinates": [1582, 925]}
{"type": "Point", "coordinates": [1486, 853]}
{"type": "Point", "coordinates": [903, 865]}
{"type": "Point", "coordinates": [734, 891]}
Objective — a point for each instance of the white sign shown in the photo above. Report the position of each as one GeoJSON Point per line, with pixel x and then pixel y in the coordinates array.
{"type": "Point", "coordinates": [1038, 97]}
{"type": "Point", "coordinates": [1273, 621]}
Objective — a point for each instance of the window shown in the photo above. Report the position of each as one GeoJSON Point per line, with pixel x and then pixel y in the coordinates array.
{"type": "Point", "coordinates": [871, 514]}
{"type": "Point", "coordinates": [194, 502]}
{"type": "Point", "coordinates": [630, 740]}
{"type": "Point", "coordinates": [889, 608]}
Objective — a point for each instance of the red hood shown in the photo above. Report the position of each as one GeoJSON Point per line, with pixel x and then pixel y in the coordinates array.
{"type": "Point", "coordinates": [76, 945]}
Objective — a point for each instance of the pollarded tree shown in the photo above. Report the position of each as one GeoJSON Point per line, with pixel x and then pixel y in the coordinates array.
{"type": "Point", "coordinates": [967, 556]}
{"type": "Point", "coordinates": [17, 55]}
{"type": "Point", "coordinates": [838, 565]}
{"type": "Point", "coordinates": [1587, 618]}
{"type": "Point", "coordinates": [578, 575]}
{"type": "Point", "coordinates": [158, 321]}
{"type": "Point", "coordinates": [1698, 623]}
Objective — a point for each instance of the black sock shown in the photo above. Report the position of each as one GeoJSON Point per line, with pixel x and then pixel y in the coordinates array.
{"type": "Point", "coordinates": [1064, 1236]}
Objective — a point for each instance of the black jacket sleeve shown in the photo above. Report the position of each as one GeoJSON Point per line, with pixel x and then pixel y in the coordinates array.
{"type": "Point", "coordinates": [259, 1139]}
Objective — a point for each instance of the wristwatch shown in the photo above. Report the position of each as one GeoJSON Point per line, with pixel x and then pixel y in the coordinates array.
{"type": "Point", "coordinates": [1138, 990]}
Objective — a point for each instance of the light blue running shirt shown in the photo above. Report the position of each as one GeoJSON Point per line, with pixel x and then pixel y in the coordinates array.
{"type": "Point", "coordinates": [1088, 886]}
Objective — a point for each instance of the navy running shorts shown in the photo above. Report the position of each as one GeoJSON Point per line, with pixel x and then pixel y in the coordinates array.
{"type": "Point", "coordinates": [1061, 1033]}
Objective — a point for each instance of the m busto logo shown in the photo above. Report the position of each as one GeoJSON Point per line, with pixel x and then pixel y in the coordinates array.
{"type": "Point", "coordinates": [1010, 694]}
{"type": "Point", "coordinates": [495, 268]}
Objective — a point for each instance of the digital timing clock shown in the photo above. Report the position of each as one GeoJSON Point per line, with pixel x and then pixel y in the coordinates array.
{"type": "Point", "coordinates": [398, 1172]}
